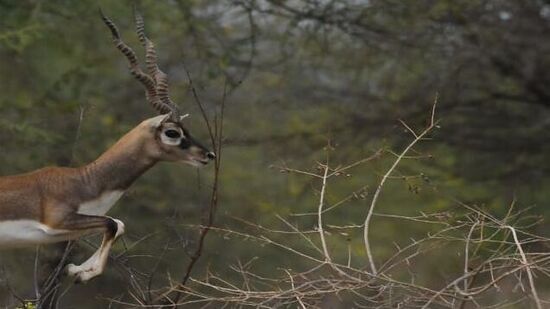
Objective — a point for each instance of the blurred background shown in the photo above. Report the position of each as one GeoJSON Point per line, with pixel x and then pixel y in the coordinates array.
{"type": "Point", "coordinates": [304, 80]}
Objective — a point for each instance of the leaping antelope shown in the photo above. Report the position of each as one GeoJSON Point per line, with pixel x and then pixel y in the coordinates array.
{"type": "Point", "coordinates": [56, 204]}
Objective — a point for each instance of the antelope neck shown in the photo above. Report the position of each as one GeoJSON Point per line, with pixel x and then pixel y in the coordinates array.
{"type": "Point", "coordinates": [119, 166]}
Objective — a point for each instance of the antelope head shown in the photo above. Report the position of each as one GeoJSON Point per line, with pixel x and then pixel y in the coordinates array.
{"type": "Point", "coordinates": [165, 136]}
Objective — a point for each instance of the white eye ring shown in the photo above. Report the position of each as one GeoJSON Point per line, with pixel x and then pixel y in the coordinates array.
{"type": "Point", "coordinates": [171, 137]}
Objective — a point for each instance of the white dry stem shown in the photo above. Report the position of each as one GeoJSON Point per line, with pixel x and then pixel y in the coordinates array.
{"type": "Point", "coordinates": [320, 216]}
{"type": "Point", "coordinates": [370, 212]}
{"type": "Point", "coordinates": [321, 230]}
{"type": "Point", "coordinates": [467, 255]}
{"type": "Point", "coordinates": [527, 267]}
{"type": "Point", "coordinates": [302, 305]}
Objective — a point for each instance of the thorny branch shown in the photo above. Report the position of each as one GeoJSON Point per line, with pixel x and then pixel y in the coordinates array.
{"type": "Point", "coordinates": [417, 138]}
{"type": "Point", "coordinates": [215, 131]}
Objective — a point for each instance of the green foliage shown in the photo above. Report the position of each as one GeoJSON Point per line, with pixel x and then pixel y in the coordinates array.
{"type": "Point", "coordinates": [28, 305]}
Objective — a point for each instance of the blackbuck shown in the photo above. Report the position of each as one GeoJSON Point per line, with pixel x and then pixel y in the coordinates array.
{"type": "Point", "coordinates": [56, 204]}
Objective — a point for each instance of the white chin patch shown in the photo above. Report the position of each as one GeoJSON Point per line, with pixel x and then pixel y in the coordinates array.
{"type": "Point", "coordinates": [194, 163]}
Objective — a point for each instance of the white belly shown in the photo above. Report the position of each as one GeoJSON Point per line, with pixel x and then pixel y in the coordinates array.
{"type": "Point", "coordinates": [20, 233]}
{"type": "Point", "coordinates": [101, 205]}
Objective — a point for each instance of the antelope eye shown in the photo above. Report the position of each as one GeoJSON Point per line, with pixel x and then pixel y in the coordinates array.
{"type": "Point", "coordinates": [172, 133]}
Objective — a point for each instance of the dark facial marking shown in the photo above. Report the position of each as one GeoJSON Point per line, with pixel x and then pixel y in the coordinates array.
{"type": "Point", "coordinates": [185, 143]}
{"type": "Point", "coordinates": [187, 140]}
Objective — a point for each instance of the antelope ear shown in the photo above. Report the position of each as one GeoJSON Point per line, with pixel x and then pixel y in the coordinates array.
{"type": "Point", "coordinates": [156, 122]}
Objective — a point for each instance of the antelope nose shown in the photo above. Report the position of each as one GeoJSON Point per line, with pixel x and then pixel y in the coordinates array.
{"type": "Point", "coordinates": [211, 155]}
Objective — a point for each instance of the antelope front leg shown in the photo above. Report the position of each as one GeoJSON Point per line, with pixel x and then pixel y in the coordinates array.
{"type": "Point", "coordinates": [94, 266]}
